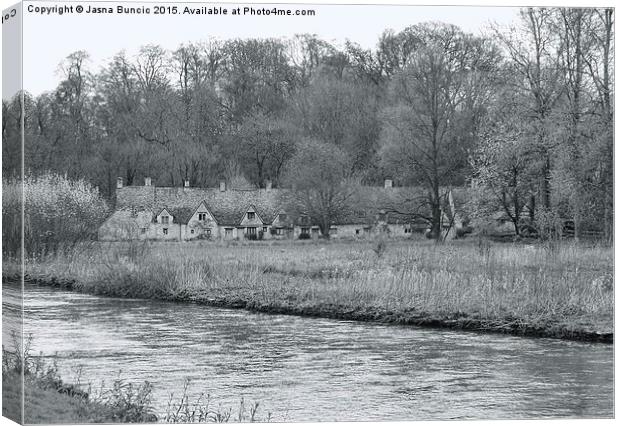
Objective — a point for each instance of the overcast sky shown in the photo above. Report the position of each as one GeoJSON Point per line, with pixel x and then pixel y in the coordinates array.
{"type": "Point", "coordinates": [50, 38]}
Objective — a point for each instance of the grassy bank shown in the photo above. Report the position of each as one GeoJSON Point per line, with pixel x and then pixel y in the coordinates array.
{"type": "Point", "coordinates": [49, 400]}
{"type": "Point", "coordinates": [45, 404]}
{"type": "Point", "coordinates": [560, 290]}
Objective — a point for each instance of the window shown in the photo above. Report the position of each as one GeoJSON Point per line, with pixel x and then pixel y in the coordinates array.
{"type": "Point", "coordinates": [165, 231]}
{"type": "Point", "coordinates": [264, 229]}
{"type": "Point", "coordinates": [202, 217]}
{"type": "Point", "coordinates": [357, 231]}
{"type": "Point", "coordinates": [251, 231]}
{"type": "Point", "coordinates": [279, 231]}
{"type": "Point", "coordinates": [164, 219]}
{"type": "Point", "coordinates": [192, 231]}
{"type": "Point", "coordinates": [361, 213]}
{"type": "Point", "coordinates": [315, 230]}
{"type": "Point", "coordinates": [305, 230]}
{"type": "Point", "coordinates": [282, 217]}
{"type": "Point", "coordinates": [143, 230]}
{"type": "Point", "coordinates": [251, 215]}
{"type": "Point", "coordinates": [209, 232]}
{"type": "Point", "coordinates": [228, 232]}
{"type": "Point", "coordinates": [333, 231]}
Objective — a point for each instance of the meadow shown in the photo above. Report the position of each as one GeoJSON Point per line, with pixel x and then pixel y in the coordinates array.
{"type": "Point", "coordinates": [554, 289]}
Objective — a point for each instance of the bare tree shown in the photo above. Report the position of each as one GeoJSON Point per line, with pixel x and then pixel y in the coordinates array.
{"type": "Point", "coordinates": [322, 183]}
{"type": "Point", "coordinates": [421, 136]}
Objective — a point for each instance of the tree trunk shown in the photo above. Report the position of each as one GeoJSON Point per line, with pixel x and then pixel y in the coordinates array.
{"type": "Point", "coordinates": [546, 179]}
{"type": "Point", "coordinates": [436, 220]}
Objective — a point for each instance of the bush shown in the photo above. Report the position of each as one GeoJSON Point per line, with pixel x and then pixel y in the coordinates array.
{"type": "Point", "coordinates": [380, 245]}
{"type": "Point", "coordinates": [58, 213]}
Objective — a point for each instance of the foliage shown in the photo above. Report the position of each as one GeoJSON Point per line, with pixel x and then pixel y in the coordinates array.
{"type": "Point", "coordinates": [504, 165]}
{"type": "Point", "coordinates": [423, 126]}
{"type": "Point", "coordinates": [58, 213]}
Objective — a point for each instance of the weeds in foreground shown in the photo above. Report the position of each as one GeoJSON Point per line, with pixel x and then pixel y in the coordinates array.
{"type": "Point", "coordinates": [20, 361]}
{"type": "Point", "coordinates": [126, 403]}
{"type": "Point", "coordinates": [123, 402]}
{"type": "Point", "coordinates": [202, 410]}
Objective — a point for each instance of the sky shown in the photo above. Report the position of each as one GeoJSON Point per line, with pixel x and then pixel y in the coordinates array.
{"type": "Point", "coordinates": [48, 38]}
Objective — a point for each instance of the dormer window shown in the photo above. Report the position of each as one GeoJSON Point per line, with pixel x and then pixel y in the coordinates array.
{"type": "Point", "coordinates": [165, 219]}
{"type": "Point", "coordinates": [251, 215]}
{"type": "Point", "coordinates": [202, 217]}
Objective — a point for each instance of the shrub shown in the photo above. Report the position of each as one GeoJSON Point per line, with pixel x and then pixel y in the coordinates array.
{"type": "Point", "coordinates": [380, 245]}
{"type": "Point", "coordinates": [58, 213]}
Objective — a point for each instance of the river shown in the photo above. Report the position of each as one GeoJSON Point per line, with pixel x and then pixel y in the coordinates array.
{"type": "Point", "coordinates": [307, 369]}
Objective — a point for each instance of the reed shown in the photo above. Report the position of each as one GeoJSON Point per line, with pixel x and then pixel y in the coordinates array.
{"type": "Point", "coordinates": [567, 284]}
{"type": "Point", "coordinates": [202, 409]}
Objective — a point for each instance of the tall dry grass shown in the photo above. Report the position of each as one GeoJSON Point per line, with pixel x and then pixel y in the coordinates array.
{"type": "Point", "coordinates": [534, 283]}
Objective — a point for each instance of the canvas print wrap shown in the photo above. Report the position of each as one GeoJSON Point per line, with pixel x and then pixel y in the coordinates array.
{"type": "Point", "coordinates": [304, 212]}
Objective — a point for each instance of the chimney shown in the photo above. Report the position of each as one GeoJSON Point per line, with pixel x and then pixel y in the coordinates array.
{"type": "Point", "coordinates": [222, 186]}
{"type": "Point", "coordinates": [147, 181]}
{"type": "Point", "coordinates": [119, 182]}
{"type": "Point", "coordinates": [388, 183]}
{"type": "Point", "coordinates": [268, 185]}
{"type": "Point", "coordinates": [186, 183]}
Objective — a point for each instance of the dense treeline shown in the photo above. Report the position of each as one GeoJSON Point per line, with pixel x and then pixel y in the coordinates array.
{"type": "Point", "coordinates": [524, 115]}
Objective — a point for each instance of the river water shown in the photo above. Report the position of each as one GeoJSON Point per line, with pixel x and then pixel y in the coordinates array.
{"type": "Point", "coordinates": [306, 369]}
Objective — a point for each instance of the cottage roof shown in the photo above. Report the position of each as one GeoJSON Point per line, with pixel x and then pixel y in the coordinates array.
{"type": "Point", "coordinates": [230, 206]}
{"type": "Point", "coordinates": [182, 214]}
{"type": "Point", "coordinates": [127, 218]}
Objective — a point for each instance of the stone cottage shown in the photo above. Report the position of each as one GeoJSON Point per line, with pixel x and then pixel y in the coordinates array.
{"type": "Point", "coordinates": [186, 213]}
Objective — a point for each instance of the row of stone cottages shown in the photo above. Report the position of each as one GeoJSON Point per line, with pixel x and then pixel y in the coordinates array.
{"type": "Point", "coordinates": [186, 213]}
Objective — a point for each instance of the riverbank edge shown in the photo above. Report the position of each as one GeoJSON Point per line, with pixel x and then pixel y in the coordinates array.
{"type": "Point", "coordinates": [460, 321]}
{"type": "Point", "coordinates": [43, 404]}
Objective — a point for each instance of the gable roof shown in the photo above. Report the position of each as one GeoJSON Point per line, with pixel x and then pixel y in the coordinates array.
{"type": "Point", "coordinates": [202, 203]}
{"type": "Point", "coordinates": [252, 209]}
{"type": "Point", "coordinates": [161, 210]}
{"type": "Point", "coordinates": [229, 207]}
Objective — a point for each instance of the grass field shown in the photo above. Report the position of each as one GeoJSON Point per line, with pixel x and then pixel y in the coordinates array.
{"type": "Point", "coordinates": [558, 289]}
